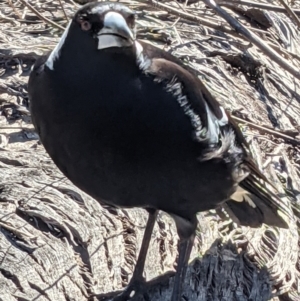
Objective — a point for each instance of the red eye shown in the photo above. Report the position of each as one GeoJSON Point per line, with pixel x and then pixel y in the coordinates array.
{"type": "Point", "coordinates": [85, 25]}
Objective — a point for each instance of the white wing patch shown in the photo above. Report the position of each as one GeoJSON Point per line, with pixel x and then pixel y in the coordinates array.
{"type": "Point", "coordinates": [175, 88]}
{"type": "Point", "coordinates": [211, 134]}
{"type": "Point", "coordinates": [213, 124]}
{"type": "Point", "coordinates": [56, 51]}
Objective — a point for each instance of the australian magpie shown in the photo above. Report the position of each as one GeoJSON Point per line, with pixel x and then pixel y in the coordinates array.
{"type": "Point", "coordinates": [133, 126]}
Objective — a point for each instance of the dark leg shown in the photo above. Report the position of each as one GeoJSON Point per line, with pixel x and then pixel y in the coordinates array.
{"type": "Point", "coordinates": [186, 231]}
{"type": "Point", "coordinates": [185, 248]}
{"type": "Point", "coordinates": [137, 281]}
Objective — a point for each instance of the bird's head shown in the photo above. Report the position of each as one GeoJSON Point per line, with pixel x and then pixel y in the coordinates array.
{"type": "Point", "coordinates": [97, 26]}
{"type": "Point", "coordinates": [112, 24]}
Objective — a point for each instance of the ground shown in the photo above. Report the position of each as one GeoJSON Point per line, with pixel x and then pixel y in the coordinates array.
{"type": "Point", "coordinates": [58, 244]}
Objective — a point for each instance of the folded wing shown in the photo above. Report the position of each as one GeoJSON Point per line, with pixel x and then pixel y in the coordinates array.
{"type": "Point", "coordinates": [253, 201]}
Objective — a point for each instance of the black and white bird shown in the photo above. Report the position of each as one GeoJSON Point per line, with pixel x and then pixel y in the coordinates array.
{"type": "Point", "coordinates": [132, 126]}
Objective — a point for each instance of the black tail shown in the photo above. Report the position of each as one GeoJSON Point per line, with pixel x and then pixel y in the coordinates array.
{"type": "Point", "coordinates": [255, 201]}
{"type": "Point", "coordinates": [254, 204]}
{"type": "Point", "coordinates": [246, 215]}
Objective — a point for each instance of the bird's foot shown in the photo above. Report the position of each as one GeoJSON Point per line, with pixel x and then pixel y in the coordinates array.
{"type": "Point", "coordinates": [134, 289]}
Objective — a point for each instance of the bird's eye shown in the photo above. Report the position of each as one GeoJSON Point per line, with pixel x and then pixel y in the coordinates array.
{"type": "Point", "coordinates": [131, 18]}
{"type": "Point", "coordinates": [85, 25]}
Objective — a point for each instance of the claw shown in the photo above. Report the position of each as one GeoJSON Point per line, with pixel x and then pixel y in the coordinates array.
{"type": "Point", "coordinates": [133, 290]}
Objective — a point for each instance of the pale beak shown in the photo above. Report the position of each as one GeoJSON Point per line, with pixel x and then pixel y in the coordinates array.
{"type": "Point", "coordinates": [115, 32]}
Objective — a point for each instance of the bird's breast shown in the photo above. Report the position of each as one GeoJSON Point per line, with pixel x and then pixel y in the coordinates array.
{"type": "Point", "coordinates": [126, 141]}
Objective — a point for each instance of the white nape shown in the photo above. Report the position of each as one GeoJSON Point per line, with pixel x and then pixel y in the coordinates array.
{"type": "Point", "coordinates": [56, 51]}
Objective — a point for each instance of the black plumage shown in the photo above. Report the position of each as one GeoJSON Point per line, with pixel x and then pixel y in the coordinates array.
{"type": "Point", "coordinates": [132, 126]}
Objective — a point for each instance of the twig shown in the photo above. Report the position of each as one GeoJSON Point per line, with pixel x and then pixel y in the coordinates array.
{"type": "Point", "coordinates": [15, 128]}
{"type": "Point", "coordinates": [190, 17]}
{"type": "Point", "coordinates": [284, 51]}
{"type": "Point", "coordinates": [269, 7]}
{"type": "Point", "coordinates": [291, 13]}
{"type": "Point", "coordinates": [41, 16]}
{"type": "Point", "coordinates": [14, 9]}
{"type": "Point", "coordinates": [24, 13]}
{"type": "Point", "coordinates": [267, 130]}
{"type": "Point", "coordinates": [199, 20]}
{"type": "Point", "coordinates": [63, 9]}
{"type": "Point", "coordinates": [253, 38]}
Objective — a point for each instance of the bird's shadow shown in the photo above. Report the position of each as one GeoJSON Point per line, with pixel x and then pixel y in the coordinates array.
{"type": "Point", "coordinates": [222, 273]}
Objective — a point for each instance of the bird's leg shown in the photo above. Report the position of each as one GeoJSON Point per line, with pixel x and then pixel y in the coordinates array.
{"type": "Point", "coordinates": [137, 281]}
{"type": "Point", "coordinates": [139, 267]}
{"type": "Point", "coordinates": [186, 231]}
{"type": "Point", "coordinates": [185, 248]}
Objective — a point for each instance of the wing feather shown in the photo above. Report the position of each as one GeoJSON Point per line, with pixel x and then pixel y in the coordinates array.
{"type": "Point", "coordinates": [191, 94]}
{"type": "Point", "coordinates": [254, 202]}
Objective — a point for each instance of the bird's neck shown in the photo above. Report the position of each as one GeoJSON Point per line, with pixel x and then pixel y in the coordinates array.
{"type": "Point", "coordinates": [93, 63]}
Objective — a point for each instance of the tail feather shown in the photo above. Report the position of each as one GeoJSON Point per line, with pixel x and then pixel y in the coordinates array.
{"type": "Point", "coordinates": [254, 204]}
{"type": "Point", "coordinates": [243, 214]}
